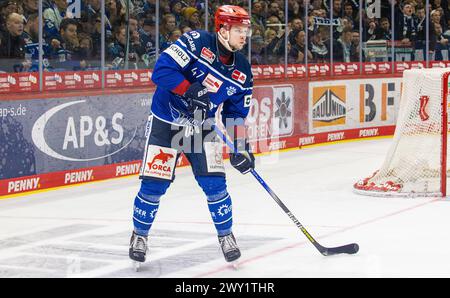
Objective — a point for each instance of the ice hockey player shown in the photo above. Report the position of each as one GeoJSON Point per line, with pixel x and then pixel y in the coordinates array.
{"type": "Point", "coordinates": [194, 75]}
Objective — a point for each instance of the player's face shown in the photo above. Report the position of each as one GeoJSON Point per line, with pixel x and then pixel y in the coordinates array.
{"type": "Point", "coordinates": [238, 36]}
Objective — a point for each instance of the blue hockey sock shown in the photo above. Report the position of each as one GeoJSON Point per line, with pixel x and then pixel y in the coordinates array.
{"type": "Point", "coordinates": [146, 205]}
{"type": "Point", "coordinates": [219, 202]}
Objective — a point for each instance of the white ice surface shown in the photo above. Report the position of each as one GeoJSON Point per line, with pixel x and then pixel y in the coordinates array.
{"type": "Point", "coordinates": [83, 231]}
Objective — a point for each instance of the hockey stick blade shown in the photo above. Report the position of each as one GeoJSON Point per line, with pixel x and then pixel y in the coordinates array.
{"type": "Point", "coordinates": [326, 251]}
{"type": "Point", "coordinates": [345, 249]}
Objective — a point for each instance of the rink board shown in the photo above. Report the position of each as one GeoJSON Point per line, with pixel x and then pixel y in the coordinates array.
{"type": "Point", "coordinates": [66, 139]}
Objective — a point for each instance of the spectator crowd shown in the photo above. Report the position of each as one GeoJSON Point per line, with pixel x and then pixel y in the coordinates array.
{"type": "Point", "coordinates": [316, 31]}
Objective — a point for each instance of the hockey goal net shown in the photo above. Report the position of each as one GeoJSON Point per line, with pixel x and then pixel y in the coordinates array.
{"type": "Point", "coordinates": [416, 163]}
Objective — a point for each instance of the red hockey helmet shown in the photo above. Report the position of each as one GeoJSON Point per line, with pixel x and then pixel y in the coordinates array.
{"type": "Point", "coordinates": [227, 15]}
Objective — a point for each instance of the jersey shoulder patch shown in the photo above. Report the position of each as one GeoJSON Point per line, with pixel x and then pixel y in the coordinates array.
{"type": "Point", "coordinates": [178, 54]}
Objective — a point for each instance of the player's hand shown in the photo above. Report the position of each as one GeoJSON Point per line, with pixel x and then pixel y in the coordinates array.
{"type": "Point", "coordinates": [197, 99]}
{"type": "Point", "coordinates": [244, 160]}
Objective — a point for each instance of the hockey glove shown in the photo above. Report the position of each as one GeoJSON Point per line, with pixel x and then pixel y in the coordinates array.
{"type": "Point", "coordinates": [197, 100]}
{"type": "Point", "coordinates": [243, 160]}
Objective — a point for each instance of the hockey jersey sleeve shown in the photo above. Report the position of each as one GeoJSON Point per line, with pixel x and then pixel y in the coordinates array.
{"type": "Point", "coordinates": [174, 61]}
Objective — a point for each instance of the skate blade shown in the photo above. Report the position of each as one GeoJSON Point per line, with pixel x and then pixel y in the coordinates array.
{"type": "Point", "coordinates": [136, 266]}
{"type": "Point", "coordinates": [235, 265]}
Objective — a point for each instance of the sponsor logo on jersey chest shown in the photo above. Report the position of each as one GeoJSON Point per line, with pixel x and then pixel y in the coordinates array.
{"type": "Point", "coordinates": [239, 76]}
{"type": "Point", "coordinates": [212, 83]}
{"type": "Point", "coordinates": [208, 55]}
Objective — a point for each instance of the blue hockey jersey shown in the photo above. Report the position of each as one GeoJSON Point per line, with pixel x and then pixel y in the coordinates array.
{"type": "Point", "coordinates": [194, 57]}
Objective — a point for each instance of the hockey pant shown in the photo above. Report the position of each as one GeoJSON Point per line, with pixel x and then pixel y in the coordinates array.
{"type": "Point", "coordinates": [164, 146]}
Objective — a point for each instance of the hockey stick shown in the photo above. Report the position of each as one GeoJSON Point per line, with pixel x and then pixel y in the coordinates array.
{"type": "Point", "coordinates": [326, 251]}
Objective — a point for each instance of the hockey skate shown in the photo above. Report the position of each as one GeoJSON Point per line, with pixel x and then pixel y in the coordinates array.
{"type": "Point", "coordinates": [230, 249]}
{"type": "Point", "coordinates": [138, 249]}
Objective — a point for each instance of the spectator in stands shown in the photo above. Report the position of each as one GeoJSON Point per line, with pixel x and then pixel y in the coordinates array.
{"type": "Point", "coordinates": [384, 31]}
{"type": "Point", "coordinates": [346, 23]}
{"type": "Point", "coordinates": [69, 55]}
{"type": "Point", "coordinates": [343, 47]}
{"type": "Point", "coordinates": [318, 48]}
{"type": "Point", "coordinates": [281, 15]}
{"type": "Point", "coordinates": [447, 32]}
{"type": "Point", "coordinates": [420, 45]}
{"type": "Point", "coordinates": [113, 13]}
{"type": "Point", "coordinates": [134, 36]}
{"type": "Point", "coordinates": [316, 4]}
{"type": "Point", "coordinates": [436, 3]}
{"type": "Point", "coordinates": [30, 7]}
{"type": "Point", "coordinates": [440, 5]}
{"type": "Point", "coordinates": [31, 29]}
{"type": "Point", "coordinates": [149, 10]}
{"type": "Point", "coordinates": [274, 9]}
{"type": "Point", "coordinates": [406, 27]}
{"type": "Point", "coordinates": [185, 28]}
{"type": "Point", "coordinates": [117, 50]}
{"type": "Point", "coordinates": [348, 11]}
{"type": "Point", "coordinates": [191, 18]}
{"type": "Point", "coordinates": [325, 35]}
{"type": "Point", "coordinates": [442, 44]}
{"type": "Point", "coordinates": [176, 8]}
{"type": "Point", "coordinates": [269, 35]}
{"type": "Point", "coordinates": [337, 9]}
{"type": "Point", "coordinates": [257, 16]}
{"type": "Point", "coordinates": [295, 10]}
{"type": "Point", "coordinates": [294, 25]}
{"type": "Point", "coordinates": [54, 13]}
{"type": "Point", "coordinates": [257, 48]}
{"type": "Point", "coordinates": [356, 46]}
{"type": "Point", "coordinates": [7, 8]}
{"type": "Point", "coordinates": [436, 17]}
{"type": "Point", "coordinates": [258, 30]}
{"type": "Point", "coordinates": [147, 35]}
{"type": "Point", "coordinates": [274, 51]}
{"type": "Point", "coordinates": [311, 25]}
{"type": "Point", "coordinates": [31, 37]}
{"type": "Point", "coordinates": [12, 44]}
{"type": "Point", "coordinates": [92, 8]}
{"type": "Point", "coordinates": [370, 29]}
{"type": "Point", "coordinates": [274, 23]}
{"type": "Point", "coordinates": [86, 51]}
{"type": "Point", "coordinates": [297, 24]}
{"type": "Point", "coordinates": [297, 51]}
{"type": "Point", "coordinates": [174, 35]}
{"type": "Point", "coordinates": [267, 23]}
{"type": "Point", "coordinates": [168, 24]}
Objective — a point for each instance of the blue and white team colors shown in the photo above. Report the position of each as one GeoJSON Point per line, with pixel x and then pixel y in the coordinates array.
{"type": "Point", "coordinates": [196, 58]}
{"type": "Point", "coordinates": [192, 59]}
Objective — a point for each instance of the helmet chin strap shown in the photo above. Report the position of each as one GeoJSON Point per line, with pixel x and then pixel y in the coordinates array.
{"type": "Point", "coordinates": [226, 41]}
